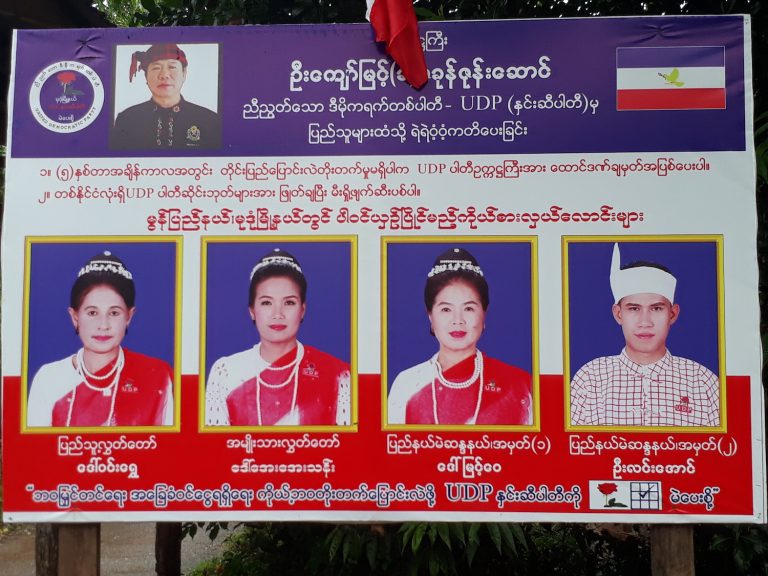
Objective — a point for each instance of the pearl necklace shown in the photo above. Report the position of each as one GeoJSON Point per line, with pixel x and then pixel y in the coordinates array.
{"type": "Point", "coordinates": [299, 357]}
{"type": "Point", "coordinates": [460, 385]}
{"type": "Point", "coordinates": [476, 373]}
{"type": "Point", "coordinates": [84, 369]}
{"type": "Point", "coordinates": [85, 374]}
{"type": "Point", "coordinates": [292, 375]}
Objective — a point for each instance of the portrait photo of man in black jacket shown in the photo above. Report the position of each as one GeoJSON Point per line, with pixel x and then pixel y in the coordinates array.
{"type": "Point", "coordinates": [167, 120]}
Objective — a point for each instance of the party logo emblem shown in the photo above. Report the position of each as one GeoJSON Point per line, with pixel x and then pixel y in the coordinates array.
{"type": "Point", "coordinates": [66, 97]}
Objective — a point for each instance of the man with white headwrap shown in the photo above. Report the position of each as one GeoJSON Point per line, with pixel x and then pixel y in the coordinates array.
{"type": "Point", "coordinates": [644, 385]}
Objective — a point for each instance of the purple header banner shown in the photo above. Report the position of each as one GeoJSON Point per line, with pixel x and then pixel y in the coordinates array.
{"type": "Point", "coordinates": [548, 87]}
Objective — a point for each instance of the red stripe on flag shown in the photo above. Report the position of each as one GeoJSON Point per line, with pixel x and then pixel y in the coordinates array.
{"type": "Point", "coordinates": [671, 99]}
{"type": "Point", "coordinates": [394, 22]}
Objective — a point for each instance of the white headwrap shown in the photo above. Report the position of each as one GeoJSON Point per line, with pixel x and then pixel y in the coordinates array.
{"type": "Point", "coordinates": [640, 280]}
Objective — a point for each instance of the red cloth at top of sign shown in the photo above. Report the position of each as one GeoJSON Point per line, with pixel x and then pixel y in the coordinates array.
{"type": "Point", "coordinates": [394, 22]}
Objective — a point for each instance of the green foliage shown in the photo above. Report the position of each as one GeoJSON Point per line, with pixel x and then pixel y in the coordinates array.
{"type": "Point", "coordinates": [227, 12]}
{"type": "Point", "coordinates": [735, 549]}
{"type": "Point", "coordinates": [207, 568]}
{"type": "Point", "coordinates": [422, 548]}
{"type": "Point", "coordinates": [602, 549]}
{"type": "Point", "coordinates": [500, 9]}
{"type": "Point", "coordinates": [270, 549]}
{"type": "Point", "coordinates": [430, 549]}
{"type": "Point", "coordinates": [450, 548]}
{"type": "Point", "coordinates": [120, 12]}
{"type": "Point", "coordinates": [459, 549]}
{"type": "Point", "coordinates": [355, 549]}
{"type": "Point", "coordinates": [211, 529]}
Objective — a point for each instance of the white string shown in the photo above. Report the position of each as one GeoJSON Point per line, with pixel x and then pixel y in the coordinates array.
{"type": "Point", "coordinates": [478, 371]}
{"type": "Point", "coordinates": [459, 385]}
{"type": "Point", "coordinates": [293, 375]}
{"type": "Point", "coordinates": [299, 358]}
{"type": "Point", "coordinates": [84, 369]}
{"type": "Point", "coordinates": [106, 391]}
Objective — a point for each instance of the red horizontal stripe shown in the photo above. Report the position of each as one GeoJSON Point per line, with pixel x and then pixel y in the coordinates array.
{"type": "Point", "coordinates": [671, 99]}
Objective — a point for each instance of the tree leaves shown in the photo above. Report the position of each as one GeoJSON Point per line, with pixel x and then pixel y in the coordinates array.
{"type": "Point", "coordinates": [495, 533]}
{"type": "Point", "coordinates": [445, 534]}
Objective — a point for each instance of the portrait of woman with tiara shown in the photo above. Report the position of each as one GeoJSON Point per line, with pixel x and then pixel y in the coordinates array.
{"type": "Point", "coordinates": [280, 381]}
{"type": "Point", "coordinates": [103, 384]}
{"type": "Point", "coordinates": [459, 384]}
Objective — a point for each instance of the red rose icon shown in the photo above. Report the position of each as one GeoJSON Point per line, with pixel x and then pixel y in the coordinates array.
{"type": "Point", "coordinates": [606, 489]}
{"type": "Point", "coordinates": [66, 78]}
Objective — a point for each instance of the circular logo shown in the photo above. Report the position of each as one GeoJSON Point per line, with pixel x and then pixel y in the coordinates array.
{"type": "Point", "coordinates": [66, 96]}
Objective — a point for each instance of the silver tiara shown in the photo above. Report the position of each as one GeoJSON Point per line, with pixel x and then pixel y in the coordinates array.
{"type": "Point", "coordinates": [276, 261]}
{"type": "Point", "coordinates": [105, 266]}
{"type": "Point", "coordinates": [453, 265]}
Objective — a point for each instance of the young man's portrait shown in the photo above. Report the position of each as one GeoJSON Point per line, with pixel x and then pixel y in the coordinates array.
{"type": "Point", "coordinates": [638, 366]}
{"type": "Point", "coordinates": [159, 76]}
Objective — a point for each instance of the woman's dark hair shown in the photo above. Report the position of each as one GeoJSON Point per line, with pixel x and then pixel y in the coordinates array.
{"type": "Point", "coordinates": [455, 265]}
{"type": "Point", "coordinates": [277, 264]}
{"type": "Point", "coordinates": [103, 269]}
